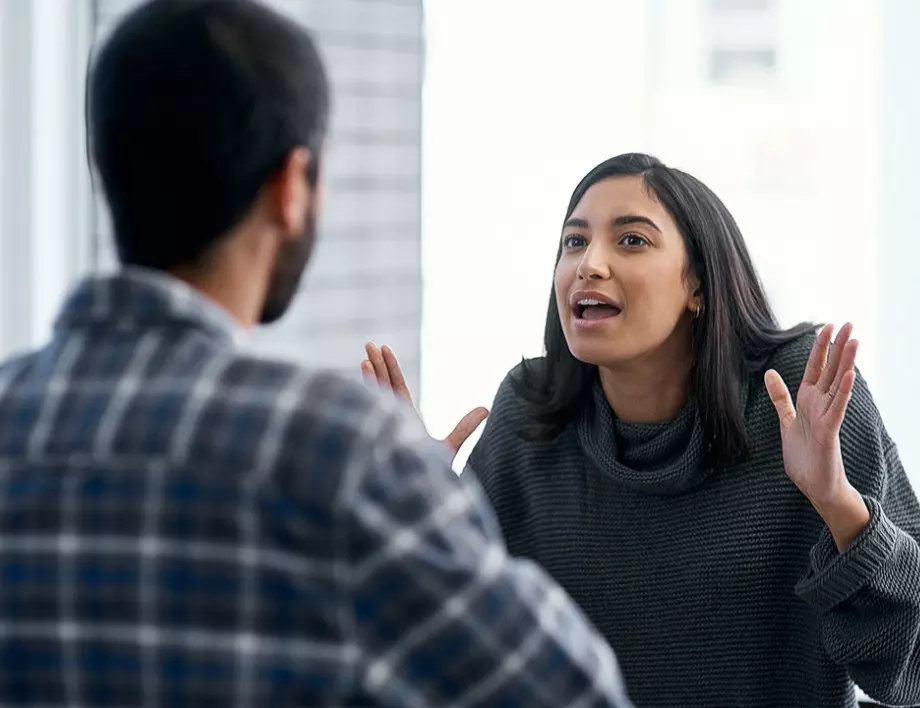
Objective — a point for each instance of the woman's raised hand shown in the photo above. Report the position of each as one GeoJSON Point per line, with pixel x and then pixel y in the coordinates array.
{"type": "Point", "coordinates": [381, 368]}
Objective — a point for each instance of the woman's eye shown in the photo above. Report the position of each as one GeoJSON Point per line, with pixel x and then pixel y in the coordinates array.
{"type": "Point", "coordinates": [573, 241]}
{"type": "Point", "coordinates": [633, 241]}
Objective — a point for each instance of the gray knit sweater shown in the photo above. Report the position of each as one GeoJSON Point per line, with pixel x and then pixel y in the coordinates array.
{"type": "Point", "coordinates": [718, 587]}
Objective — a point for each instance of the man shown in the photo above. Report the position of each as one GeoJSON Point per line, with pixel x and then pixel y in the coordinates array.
{"type": "Point", "coordinates": [184, 524]}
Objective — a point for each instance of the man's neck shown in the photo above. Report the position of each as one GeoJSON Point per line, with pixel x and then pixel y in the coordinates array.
{"type": "Point", "coordinates": [235, 290]}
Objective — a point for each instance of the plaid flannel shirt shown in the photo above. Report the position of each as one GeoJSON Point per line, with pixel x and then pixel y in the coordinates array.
{"type": "Point", "coordinates": [182, 524]}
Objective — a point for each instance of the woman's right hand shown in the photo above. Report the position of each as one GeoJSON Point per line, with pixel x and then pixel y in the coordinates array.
{"type": "Point", "coordinates": [381, 368]}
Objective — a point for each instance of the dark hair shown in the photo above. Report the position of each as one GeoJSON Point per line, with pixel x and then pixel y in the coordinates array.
{"type": "Point", "coordinates": [192, 106]}
{"type": "Point", "coordinates": [734, 336]}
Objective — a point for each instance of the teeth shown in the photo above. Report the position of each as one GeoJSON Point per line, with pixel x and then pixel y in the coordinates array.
{"type": "Point", "coordinates": [589, 303]}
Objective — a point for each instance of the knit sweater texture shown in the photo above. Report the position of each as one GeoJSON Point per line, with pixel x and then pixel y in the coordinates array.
{"type": "Point", "coordinates": [718, 587]}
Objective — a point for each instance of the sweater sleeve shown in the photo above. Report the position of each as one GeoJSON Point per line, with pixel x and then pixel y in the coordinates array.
{"type": "Point", "coordinates": [868, 597]}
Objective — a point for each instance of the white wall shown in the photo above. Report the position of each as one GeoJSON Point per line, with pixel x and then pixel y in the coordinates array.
{"type": "Point", "coordinates": [44, 192]}
{"type": "Point", "coordinates": [898, 392]}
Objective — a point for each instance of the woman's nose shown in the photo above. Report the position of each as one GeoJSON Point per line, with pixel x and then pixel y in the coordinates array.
{"type": "Point", "coordinates": [593, 267]}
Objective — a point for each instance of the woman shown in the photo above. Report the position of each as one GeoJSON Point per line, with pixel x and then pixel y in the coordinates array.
{"type": "Point", "coordinates": [736, 548]}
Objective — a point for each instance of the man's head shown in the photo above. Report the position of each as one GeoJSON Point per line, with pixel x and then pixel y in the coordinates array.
{"type": "Point", "coordinates": [206, 123]}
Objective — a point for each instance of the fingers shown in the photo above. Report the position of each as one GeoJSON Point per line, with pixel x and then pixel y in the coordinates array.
{"type": "Point", "coordinates": [842, 387]}
{"type": "Point", "coordinates": [465, 428]}
{"type": "Point", "coordinates": [397, 380]}
{"type": "Point", "coordinates": [782, 401]}
{"type": "Point", "coordinates": [838, 406]}
{"type": "Point", "coordinates": [378, 364]}
{"type": "Point", "coordinates": [846, 362]}
{"type": "Point", "coordinates": [818, 356]}
{"type": "Point", "coordinates": [367, 372]}
{"type": "Point", "coordinates": [832, 367]}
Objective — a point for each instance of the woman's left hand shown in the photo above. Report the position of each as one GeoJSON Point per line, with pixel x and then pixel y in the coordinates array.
{"type": "Point", "coordinates": [810, 430]}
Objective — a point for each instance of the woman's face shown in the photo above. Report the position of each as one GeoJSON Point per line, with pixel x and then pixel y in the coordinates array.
{"type": "Point", "coordinates": [622, 286]}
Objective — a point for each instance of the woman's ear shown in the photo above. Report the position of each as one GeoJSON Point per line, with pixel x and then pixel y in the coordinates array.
{"type": "Point", "coordinates": [697, 306]}
{"type": "Point", "coordinates": [695, 302]}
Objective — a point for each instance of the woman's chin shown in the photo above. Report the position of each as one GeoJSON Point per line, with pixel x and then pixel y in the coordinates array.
{"type": "Point", "coordinates": [596, 354]}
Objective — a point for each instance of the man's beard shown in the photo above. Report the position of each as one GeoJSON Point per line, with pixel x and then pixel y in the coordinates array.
{"type": "Point", "coordinates": [290, 263]}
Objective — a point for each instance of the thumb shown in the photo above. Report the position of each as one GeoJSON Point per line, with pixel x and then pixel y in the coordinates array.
{"type": "Point", "coordinates": [782, 401]}
{"type": "Point", "coordinates": [465, 428]}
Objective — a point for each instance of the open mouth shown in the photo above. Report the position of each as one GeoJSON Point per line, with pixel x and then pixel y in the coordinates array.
{"type": "Point", "coordinates": [589, 309]}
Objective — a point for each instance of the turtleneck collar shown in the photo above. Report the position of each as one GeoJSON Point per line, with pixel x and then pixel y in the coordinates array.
{"type": "Point", "coordinates": [664, 458]}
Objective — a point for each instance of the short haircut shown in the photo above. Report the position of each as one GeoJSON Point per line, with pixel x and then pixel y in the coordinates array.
{"type": "Point", "coordinates": [192, 106]}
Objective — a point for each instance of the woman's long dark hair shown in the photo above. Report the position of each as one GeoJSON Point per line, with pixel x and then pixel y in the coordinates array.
{"type": "Point", "coordinates": [734, 336]}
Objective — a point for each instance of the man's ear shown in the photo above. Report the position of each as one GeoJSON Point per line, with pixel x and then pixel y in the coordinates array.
{"type": "Point", "coordinates": [290, 193]}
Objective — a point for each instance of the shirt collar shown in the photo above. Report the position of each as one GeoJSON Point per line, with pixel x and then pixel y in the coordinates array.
{"type": "Point", "coordinates": [138, 297]}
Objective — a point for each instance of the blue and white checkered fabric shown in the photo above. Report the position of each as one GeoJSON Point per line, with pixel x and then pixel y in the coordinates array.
{"type": "Point", "coordinates": [182, 524]}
